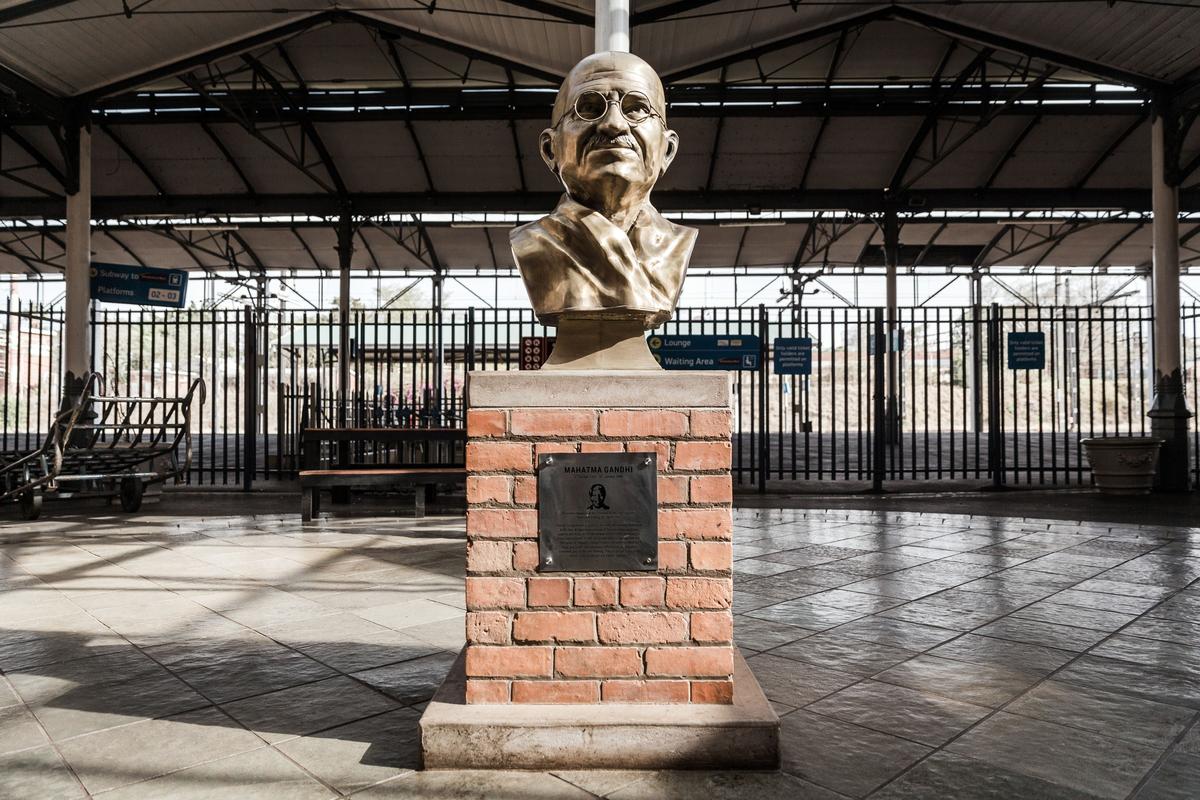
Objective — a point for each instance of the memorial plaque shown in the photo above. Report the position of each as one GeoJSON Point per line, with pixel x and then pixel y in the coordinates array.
{"type": "Point", "coordinates": [598, 512]}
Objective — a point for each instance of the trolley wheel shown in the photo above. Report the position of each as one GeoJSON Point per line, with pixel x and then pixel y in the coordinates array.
{"type": "Point", "coordinates": [30, 504]}
{"type": "Point", "coordinates": [308, 505]}
{"type": "Point", "coordinates": [132, 490]}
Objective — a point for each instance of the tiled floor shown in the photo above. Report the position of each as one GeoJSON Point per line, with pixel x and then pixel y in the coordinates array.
{"type": "Point", "coordinates": [214, 647]}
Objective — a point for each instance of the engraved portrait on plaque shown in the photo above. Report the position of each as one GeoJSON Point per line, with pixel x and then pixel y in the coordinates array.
{"type": "Point", "coordinates": [598, 512]}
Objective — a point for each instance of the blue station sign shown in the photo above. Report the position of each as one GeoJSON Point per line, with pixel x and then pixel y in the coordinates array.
{"type": "Point", "coordinates": [143, 286]}
{"type": "Point", "coordinates": [706, 352]}
{"type": "Point", "coordinates": [1026, 350]}
{"type": "Point", "coordinates": [793, 356]}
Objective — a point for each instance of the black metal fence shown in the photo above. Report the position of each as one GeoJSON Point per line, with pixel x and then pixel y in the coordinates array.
{"type": "Point", "coordinates": [958, 411]}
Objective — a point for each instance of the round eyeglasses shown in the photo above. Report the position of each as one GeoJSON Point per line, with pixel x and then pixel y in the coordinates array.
{"type": "Point", "coordinates": [635, 107]}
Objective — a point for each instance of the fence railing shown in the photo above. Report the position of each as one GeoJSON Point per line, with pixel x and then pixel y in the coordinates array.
{"type": "Point", "coordinates": [959, 412]}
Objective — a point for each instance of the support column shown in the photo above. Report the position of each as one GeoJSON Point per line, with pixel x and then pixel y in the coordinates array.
{"type": "Point", "coordinates": [77, 334]}
{"type": "Point", "coordinates": [1168, 413]}
{"type": "Point", "coordinates": [612, 25]}
{"type": "Point", "coordinates": [345, 250]}
{"type": "Point", "coordinates": [891, 255]}
{"type": "Point", "coordinates": [973, 355]}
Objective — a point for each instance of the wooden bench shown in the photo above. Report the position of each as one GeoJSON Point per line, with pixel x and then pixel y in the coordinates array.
{"type": "Point", "coordinates": [346, 475]}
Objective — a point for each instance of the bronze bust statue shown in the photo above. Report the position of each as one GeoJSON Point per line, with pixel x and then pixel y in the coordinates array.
{"type": "Point", "coordinates": [605, 266]}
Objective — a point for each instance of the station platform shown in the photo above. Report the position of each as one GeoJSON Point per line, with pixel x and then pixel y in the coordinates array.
{"type": "Point", "coordinates": [1007, 645]}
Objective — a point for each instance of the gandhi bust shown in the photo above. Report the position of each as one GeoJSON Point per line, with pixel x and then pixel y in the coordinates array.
{"type": "Point", "coordinates": [605, 265]}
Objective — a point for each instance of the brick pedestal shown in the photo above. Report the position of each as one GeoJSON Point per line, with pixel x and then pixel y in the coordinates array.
{"type": "Point", "coordinates": [599, 637]}
{"type": "Point", "coordinates": [599, 670]}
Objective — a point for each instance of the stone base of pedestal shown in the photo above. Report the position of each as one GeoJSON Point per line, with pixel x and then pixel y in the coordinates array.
{"type": "Point", "coordinates": [744, 735]}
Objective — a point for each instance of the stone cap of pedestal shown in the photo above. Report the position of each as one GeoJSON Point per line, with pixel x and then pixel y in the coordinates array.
{"type": "Point", "coordinates": [589, 389]}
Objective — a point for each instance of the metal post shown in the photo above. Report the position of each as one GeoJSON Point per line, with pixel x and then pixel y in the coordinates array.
{"type": "Point", "coordinates": [439, 353]}
{"type": "Point", "coordinates": [996, 459]}
{"type": "Point", "coordinates": [891, 252]}
{"type": "Point", "coordinates": [878, 445]}
{"type": "Point", "coordinates": [975, 364]}
{"type": "Point", "coordinates": [1169, 412]}
{"type": "Point", "coordinates": [612, 26]}
{"type": "Point", "coordinates": [77, 357]}
{"type": "Point", "coordinates": [764, 439]}
{"type": "Point", "coordinates": [250, 400]}
{"type": "Point", "coordinates": [345, 250]}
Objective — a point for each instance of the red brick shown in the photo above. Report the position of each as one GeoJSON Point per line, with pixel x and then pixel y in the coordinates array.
{"type": "Point", "coordinates": [689, 661]}
{"type": "Point", "coordinates": [597, 662]}
{"type": "Point", "coordinates": [550, 448]}
{"type": "Point", "coordinates": [555, 626]}
{"type": "Point", "coordinates": [642, 627]}
{"type": "Point", "coordinates": [695, 523]}
{"type": "Point", "coordinates": [648, 422]}
{"type": "Point", "coordinates": [699, 592]}
{"type": "Point", "coordinates": [712, 626]}
{"type": "Point", "coordinates": [602, 447]}
{"type": "Point", "coordinates": [702, 456]}
{"type": "Point", "coordinates": [672, 555]}
{"type": "Point", "coordinates": [487, 691]}
{"type": "Point", "coordinates": [559, 692]}
{"type": "Point", "coordinates": [485, 422]}
{"type": "Point", "coordinates": [525, 490]}
{"type": "Point", "coordinates": [642, 592]}
{"type": "Point", "coordinates": [712, 556]}
{"type": "Point", "coordinates": [499, 457]}
{"type": "Point", "coordinates": [509, 662]}
{"type": "Point", "coordinates": [489, 489]}
{"type": "Point", "coordinates": [501, 523]}
{"type": "Point", "coordinates": [712, 489]}
{"type": "Point", "coordinates": [484, 593]}
{"type": "Point", "coordinates": [595, 591]}
{"type": "Point", "coordinates": [672, 489]}
{"type": "Point", "coordinates": [525, 556]}
{"type": "Point", "coordinates": [549, 591]}
{"type": "Point", "coordinates": [712, 692]}
{"type": "Point", "coordinates": [663, 449]}
{"type": "Point", "coordinates": [553, 422]}
{"type": "Point", "coordinates": [712, 424]}
{"type": "Point", "coordinates": [488, 627]}
{"type": "Point", "coordinates": [644, 691]}
{"type": "Point", "coordinates": [484, 555]}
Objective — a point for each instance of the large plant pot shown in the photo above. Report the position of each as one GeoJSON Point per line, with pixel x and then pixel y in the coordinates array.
{"type": "Point", "coordinates": [1123, 465]}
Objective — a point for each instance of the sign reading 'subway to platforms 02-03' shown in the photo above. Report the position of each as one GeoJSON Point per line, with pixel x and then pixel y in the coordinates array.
{"type": "Point", "coordinates": [705, 352]}
{"type": "Point", "coordinates": [143, 286]}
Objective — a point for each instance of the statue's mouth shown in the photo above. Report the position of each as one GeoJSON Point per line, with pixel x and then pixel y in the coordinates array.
{"type": "Point", "coordinates": [601, 142]}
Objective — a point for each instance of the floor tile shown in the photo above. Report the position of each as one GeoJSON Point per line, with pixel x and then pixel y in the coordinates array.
{"type": "Point", "coordinates": [148, 749]}
{"type": "Point", "coordinates": [1004, 653]}
{"type": "Point", "coordinates": [907, 713]}
{"type": "Point", "coordinates": [947, 776]}
{"type": "Point", "coordinates": [363, 753]}
{"type": "Point", "coordinates": [838, 755]}
{"type": "Point", "coordinates": [761, 634]}
{"type": "Point", "coordinates": [1156, 654]}
{"type": "Point", "coordinates": [795, 683]}
{"type": "Point", "coordinates": [835, 651]}
{"type": "Point", "coordinates": [410, 681]}
{"type": "Point", "coordinates": [1126, 677]}
{"type": "Point", "coordinates": [261, 774]}
{"type": "Point", "coordinates": [1065, 756]}
{"type": "Point", "coordinates": [1041, 633]}
{"type": "Point", "coordinates": [969, 683]}
{"type": "Point", "coordinates": [722, 786]}
{"type": "Point", "coordinates": [1118, 716]}
{"type": "Point", "coordinates": [37, 774]}
{"type": "Point", "coordinates": [277, 716]}
{"type": "Point", "coordinates": [1177, 778]}
{"type": "Point", "coordinates": [806, 615]}
{"type": "Point", "coordinates": [897, 633]}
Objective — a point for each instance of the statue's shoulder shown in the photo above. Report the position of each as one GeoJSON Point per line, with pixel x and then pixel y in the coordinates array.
{"type": "Point", "coordinates": [668, 231]}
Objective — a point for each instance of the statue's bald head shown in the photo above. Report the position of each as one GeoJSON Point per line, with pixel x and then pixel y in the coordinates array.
{"type": "Point", "coordinates": [599, 68]}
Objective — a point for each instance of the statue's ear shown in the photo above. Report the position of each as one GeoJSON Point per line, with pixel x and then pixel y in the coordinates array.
{"type": "Point", "coordinates": [672, 149]}
{"type": "Point", "coordinates": [546, 148]}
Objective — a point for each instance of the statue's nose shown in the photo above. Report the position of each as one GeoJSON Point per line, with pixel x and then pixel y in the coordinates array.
{"type": "Point", "coordinates": [613, 122]}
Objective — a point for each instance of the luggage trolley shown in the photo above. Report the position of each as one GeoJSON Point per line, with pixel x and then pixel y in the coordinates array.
{"type": "Point", "coordinates": [129, 443]}
{"type": "Point", "coordinates": [26, 475]}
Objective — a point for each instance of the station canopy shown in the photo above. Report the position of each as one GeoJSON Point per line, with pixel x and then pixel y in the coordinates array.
{"type": "Point", "coordinates": [231, 136]}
